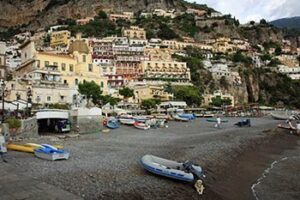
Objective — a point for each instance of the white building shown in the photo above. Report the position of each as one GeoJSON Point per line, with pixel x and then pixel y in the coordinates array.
{"type": "Point", "coordinates": [292, 72]}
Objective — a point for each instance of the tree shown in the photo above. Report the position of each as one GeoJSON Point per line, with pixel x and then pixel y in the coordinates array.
{"type": "Point", "coordinates": [218, 101]}
{"type": "Point", "coordinates": [102, 15]}
{"type": "Point", "coordinates": [278, 51]}
{"type": "Point", "coordinates": [90, 90]}
{"type": "Point", "coordinates": [263, 22]}
{"type": "Point", "coordinates": [166, 32]}
{"type": "Point", "coordinates": [168, 88]}
{"type": "Point", "coordinates": [126, 92]}
{"type": "Point", "coordinates": [150, 104]}
{"type": "Point", "coordinates": [109, 99]}
{"type": "Point", "coordinates": [190, 94]}
{"type": "Point", "coordinates": [223, 82]}
{"type": "Point", "coordinates": [252, 23]}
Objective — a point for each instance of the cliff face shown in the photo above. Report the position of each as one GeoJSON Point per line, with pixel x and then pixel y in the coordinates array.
{"type": "Point", "coordinates": [40, 13]}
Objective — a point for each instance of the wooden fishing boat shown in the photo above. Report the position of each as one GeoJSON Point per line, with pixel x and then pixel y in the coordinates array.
{"type": "Point", "coordinates": [140, 125]}
{"type": "Point", "coordinates": [188, 116]}
{"type": "Point", "coordinates": [127, 121]}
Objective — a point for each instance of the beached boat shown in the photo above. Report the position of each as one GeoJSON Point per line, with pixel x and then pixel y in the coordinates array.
{"type": "Point", "coordinates": [280, 116]}
{"type": "Point", "coordinates": [111, 123]}
{"type": "Point", "coordinates": [215, 120]}
{"type": "Point", "coordinates": [141, 125]}
{"type": "Point", "coordinates": [21, 148]}
{"type": "Point", "coordinates": [188, 116]}
{"type": "Point", "coordinates": [141, 118]}
{"type": "Point", "coordinates": [49, 152]}
{"type": "Point", "coordinates": [127, 121]}
{"type": "Point", "coordinates": [243, 123]}
{"type": "Point", "coordinates": [184, 171]}
{"type": "Point", "coordinates": [181, 119]}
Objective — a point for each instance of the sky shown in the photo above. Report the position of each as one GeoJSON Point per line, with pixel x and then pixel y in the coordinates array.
{"type": "Point", "coordinates": [247, 10]}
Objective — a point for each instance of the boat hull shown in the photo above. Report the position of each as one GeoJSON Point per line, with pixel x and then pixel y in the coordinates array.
{"type": "Point", "coordinates": [167, 168]}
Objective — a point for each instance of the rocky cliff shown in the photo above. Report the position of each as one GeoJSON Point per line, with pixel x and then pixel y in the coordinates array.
{"type": "Point", "coordinates": [35, 14]}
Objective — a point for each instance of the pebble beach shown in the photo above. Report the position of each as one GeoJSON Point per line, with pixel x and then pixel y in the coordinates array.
{"type": "Point", "coordinates": [106, 165]}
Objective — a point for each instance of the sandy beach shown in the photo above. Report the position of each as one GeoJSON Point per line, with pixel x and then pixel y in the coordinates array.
{"type": "Point", "coordinates": [106, 165]}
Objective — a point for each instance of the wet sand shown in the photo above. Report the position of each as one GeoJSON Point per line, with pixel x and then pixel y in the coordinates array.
{"type": "Point", "coordinates": [106, 165]}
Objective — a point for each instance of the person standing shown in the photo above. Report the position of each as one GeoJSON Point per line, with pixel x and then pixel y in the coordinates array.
{"type": "Point", "coordinates": [218, 122]}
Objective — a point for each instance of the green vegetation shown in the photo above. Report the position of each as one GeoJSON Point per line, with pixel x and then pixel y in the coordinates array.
{"type": "Point", "coordinates": [150, 104]}
{"type": "Point", "coordinates": [126, 92]}
{"type": "Point", "coordinates": [109, 99]}
{"type": "Point", "coordinates": [90, 90]}
{"type": "Point", "coordinates": [13, 123]}
{"type": "Point", "coordinates": [187, 24]}
{"type": "Point", "coordinates": [190, 94]}
{"type": "Point", "coordinates": [240, 57]}
{"type": "Point", "coordinates": [218, 101]}
{"type": "Point", "coordinates": [101, 26]}
{"type": "Point", "coordinates": [58, 106]}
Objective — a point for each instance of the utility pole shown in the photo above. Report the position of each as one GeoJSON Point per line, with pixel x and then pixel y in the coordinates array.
{"type": "Point", "coordinates": [3, 90]}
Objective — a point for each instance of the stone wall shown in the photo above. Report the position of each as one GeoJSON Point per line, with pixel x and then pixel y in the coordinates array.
{"type": "Point", "coordinates": [86, 124]}
{"type": "Point", "coordinates": [29, 128]}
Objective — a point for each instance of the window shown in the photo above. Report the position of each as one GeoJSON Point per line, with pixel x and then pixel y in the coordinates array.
{"type": "Point", "coordinates": [90, 67]}
{"type": "Point", "coordinates": [76, 81]}
{"type": "Point", "coordinates": [71, 67]}
{"type": "Point", "coordinates": [83, 58]}
{"type": "Point", "coordinates": [48, 98]}
{"type": "Point", "coordinates": [46, 63]}
{"type": "Point", "coordinates": [102, 84]}
{"type": "Point", "coordinates": [38, 64]}
{"type": "Point", "coordinates": [55, 64]}
{"type": "Point", "coordinates": [62, 98]}
{"type": "Point", "coordinates": [65, 82]}
{"type": "Point", "coordinates": [63, 66]}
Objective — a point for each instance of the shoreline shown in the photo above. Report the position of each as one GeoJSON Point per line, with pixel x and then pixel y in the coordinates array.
{"type": "Point", "coordinates": [240, 174]}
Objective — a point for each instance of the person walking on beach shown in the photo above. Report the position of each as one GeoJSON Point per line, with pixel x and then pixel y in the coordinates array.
{"type": "Point", "coordinates": [218, 122]}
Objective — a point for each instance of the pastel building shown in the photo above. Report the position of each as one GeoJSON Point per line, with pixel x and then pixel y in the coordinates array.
{"type": "Point", "coordinates": [54, 78]}
{"type": "Point", "coordinates": [166, 70]}
{"type": "Point", "coordinates": [208, 98]}
{"type": "Point", "coordinates": [134, 32]}
{"type": "Point", "coordinates": [59, 38]}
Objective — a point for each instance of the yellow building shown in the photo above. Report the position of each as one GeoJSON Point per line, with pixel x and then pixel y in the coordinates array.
{"type": "Point", "coordinates": [60, 73]}
{"type": "Point", "coordinates": [60, 38]}
{"type": "Point", "coordinates": [166, 70]}
{"type": "Point", "coordinates": [143, 92]}
{"type": "Point", "coordinates": [207, 98]}
{"type": "Point", "coordinates": [134, 32]}
{"type": "Point", "coordinates": [176, 45]}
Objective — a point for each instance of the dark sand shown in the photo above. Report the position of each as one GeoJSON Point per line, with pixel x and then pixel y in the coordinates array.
{"type": "Point", "coordinates": [106, 165]}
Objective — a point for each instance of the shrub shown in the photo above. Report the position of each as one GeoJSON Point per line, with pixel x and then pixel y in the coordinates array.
{"type": "Point", "coordinates": [13, 123]}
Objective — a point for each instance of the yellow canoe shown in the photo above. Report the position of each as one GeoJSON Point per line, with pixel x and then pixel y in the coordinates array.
{"type": "Point", "coordinates": [22, 148]}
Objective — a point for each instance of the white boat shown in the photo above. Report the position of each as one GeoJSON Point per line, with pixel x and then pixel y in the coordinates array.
{"type": "Point", "coordinates": [127, 121]}
{"type": "Point", "coordinates": [52, 153]}
{"type": "Point", "coordinates": [141, 125]}
{"type": "Point", "coordinates": [181, 119]}
{"type": "Point", "coordinates": [281, 116]}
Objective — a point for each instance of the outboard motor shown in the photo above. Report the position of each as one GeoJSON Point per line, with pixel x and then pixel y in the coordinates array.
{"type": "Point", "coordinates": [199, 176]}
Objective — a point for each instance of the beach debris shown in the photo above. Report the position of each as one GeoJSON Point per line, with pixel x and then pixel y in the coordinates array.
{"type": "Point", "coordinates": [199, 186]}
{"type": "Point", "coordinates": [105, 131]}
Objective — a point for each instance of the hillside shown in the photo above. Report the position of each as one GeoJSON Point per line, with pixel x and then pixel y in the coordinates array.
{"type": "Point", "coordinates": [34, 14]}
{"type": "Point", "coordinates": [290, 23]}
